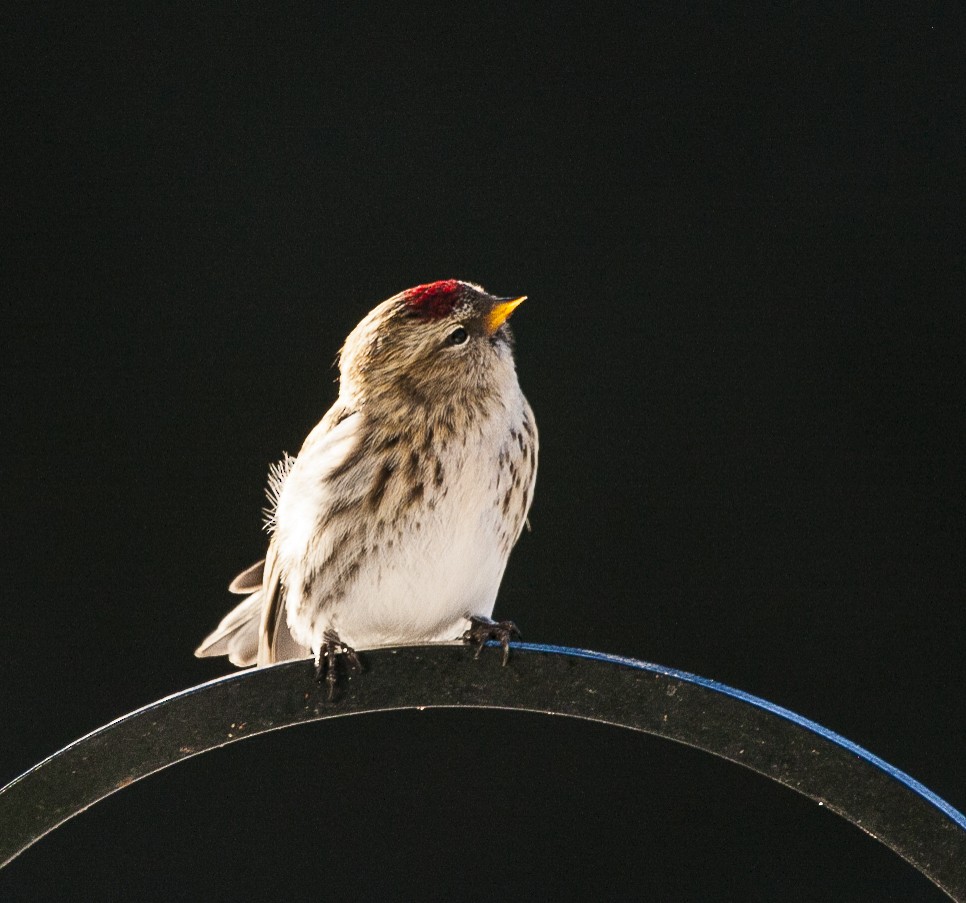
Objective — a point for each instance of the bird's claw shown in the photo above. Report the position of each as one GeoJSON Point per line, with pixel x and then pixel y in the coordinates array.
{"type": "Point", "coordinates": [483, 629]}
{"type": "Point", "coordinates": [331, 652]}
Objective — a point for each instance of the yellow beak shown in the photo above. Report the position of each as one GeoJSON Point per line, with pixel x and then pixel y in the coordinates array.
{"type": "Point", "coordinates": [500, 313]}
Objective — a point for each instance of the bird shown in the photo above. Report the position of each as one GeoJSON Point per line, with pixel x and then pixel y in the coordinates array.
{"type": "Point", "coordinates": [394, 522]}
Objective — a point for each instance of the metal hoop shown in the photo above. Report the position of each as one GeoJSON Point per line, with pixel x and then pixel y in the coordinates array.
{"type": "Point", "coordinates": [810, 759]}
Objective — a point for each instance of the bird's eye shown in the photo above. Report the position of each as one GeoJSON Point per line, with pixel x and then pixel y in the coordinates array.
{"type": "Point", "coordinates": [458, 336]}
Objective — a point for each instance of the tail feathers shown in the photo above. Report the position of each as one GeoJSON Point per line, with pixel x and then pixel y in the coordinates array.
{"type": "Point", "coordinates": [237, 636]}
{"type": "Point", "coordinates": [249, 579]}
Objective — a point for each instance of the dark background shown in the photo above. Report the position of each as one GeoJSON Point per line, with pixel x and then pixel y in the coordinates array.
{"type": "Point", "coordinates": [739, 229]}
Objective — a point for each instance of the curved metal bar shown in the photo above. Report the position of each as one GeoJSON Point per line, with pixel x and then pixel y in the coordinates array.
{"type": "Point", "coordinates": [880, 799]}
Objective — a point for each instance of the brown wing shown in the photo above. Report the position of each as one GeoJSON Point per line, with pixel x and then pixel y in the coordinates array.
{"type": "Point", "coordinates": [249, 580]}
{"type": "Point", "coordinates": [273, 607]}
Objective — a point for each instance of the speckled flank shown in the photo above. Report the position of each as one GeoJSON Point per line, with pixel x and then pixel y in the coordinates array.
{"type": "Point", "coordinates": [516, 466]}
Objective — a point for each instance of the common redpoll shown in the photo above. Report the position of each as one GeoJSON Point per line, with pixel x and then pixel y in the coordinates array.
{"type": "Point", "coordinates": [395, 522]}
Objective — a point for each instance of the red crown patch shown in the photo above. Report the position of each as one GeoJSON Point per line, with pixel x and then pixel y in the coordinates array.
{"type": "Point", "coordinates": [434, 299]}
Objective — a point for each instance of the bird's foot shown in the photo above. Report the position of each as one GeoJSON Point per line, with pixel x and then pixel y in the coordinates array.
{"type": "Point", "coordinates": [484, 629]}
{"type": "Point", "coordinates": [330, 654]}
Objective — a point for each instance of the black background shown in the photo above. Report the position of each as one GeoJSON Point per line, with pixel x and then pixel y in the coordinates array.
{"type": "Point", "coordinates": [739, 229]}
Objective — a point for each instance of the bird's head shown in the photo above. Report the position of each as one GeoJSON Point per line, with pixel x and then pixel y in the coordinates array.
{"type": "Point", "coordinates": [443, 340]}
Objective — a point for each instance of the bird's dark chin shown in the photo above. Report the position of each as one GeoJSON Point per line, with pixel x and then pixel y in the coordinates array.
{"type": "Point", "coordinates": [502, 338]}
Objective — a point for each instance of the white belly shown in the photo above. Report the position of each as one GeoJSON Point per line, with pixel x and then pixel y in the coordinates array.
{"type": "Point", "coordinates": [424, 587]}
{"type": "Point", "coordinates": [417, 575]}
